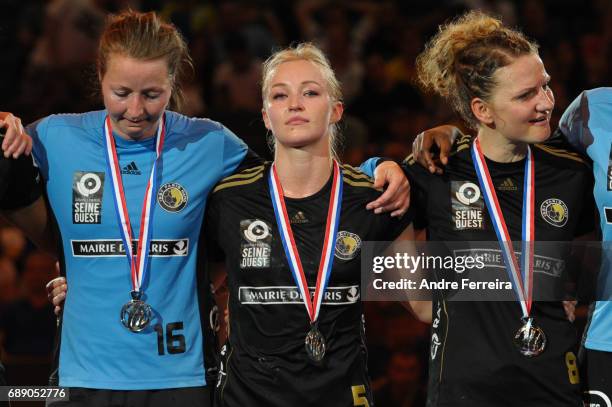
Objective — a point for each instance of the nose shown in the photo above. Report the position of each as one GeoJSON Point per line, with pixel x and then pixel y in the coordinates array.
{"type": "Point", "coordinates": [295, 103]}
{"type": "Point", "coordinates": [135, 107]}
{"type": "Point", "coordinates": [547, 100]}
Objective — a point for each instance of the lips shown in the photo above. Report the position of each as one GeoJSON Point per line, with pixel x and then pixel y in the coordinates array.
{"type": "Point", "coordinates": [295, 121]}
{"type": "Point", "coordinates": [542, 119]}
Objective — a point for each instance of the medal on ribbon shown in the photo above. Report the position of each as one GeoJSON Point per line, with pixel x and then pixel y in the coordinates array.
{"type": "Point", "coordinates": [135, 314]}
{"type": "Point", "coordinates": [529, 339]}
{"type": "Point", "coordinates": [314, 341]}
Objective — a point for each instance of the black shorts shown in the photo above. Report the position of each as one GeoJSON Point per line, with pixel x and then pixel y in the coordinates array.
{"type": "Point", "coordinates": [597, 376]}
{"type": "Point", "coordinates": [184, 397]}
{"type": "Point", "coordinates": [273, 381]}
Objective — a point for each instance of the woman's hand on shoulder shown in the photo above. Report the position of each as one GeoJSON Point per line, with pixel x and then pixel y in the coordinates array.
{"type": "Point", "coordinates": [396, 198]}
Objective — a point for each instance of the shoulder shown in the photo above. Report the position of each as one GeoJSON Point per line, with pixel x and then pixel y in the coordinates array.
{"type": "Point", "coordinates": [242, 181]}
{"type": "Point", "coordinates": [180, 123]}
{"type": "Point", "coordinates": [597, 96]}
{"type": "Point", "coordinates": [196, 128]}
{"type": "Point", "coordinates": [64, 121]}
{"type": "Point", "coordinates": [358, 184]}
{"type": "Point", "coordinates": [560, 158]}
{"type": "Point", "coordinates": [355, 177]}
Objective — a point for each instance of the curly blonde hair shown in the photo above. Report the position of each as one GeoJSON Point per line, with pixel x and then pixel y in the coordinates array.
{"type": "Point", "coordinates": [459, 62]}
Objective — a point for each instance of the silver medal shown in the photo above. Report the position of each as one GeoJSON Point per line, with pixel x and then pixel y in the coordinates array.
{"type": "Point", "coordinates": [315, 345]}
{"type": "Point", "coordinates": [136, 314]}
{"type": "Point", "coordinates": [530, 339]}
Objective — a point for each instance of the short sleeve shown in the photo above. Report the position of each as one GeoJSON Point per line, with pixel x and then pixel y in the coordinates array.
{"type": "Point", "coordinates": [420, 180]}
{"type": "Point", "coordinates": [20, 183]}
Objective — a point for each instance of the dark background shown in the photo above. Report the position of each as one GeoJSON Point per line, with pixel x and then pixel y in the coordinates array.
{"type": "Point", "coordinates": [47, 59]}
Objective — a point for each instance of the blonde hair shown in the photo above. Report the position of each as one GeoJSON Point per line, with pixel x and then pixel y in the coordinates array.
{"type": "Point", "coordinates": [459, 62]}
{"type": "Point", "coordinates": [145, 36]}
{"type": "Point", "coordinates": [307, 52]}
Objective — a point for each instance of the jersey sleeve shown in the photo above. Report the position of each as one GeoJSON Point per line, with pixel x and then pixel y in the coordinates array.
{"type": "Point", "coordinates": [369, 166]}
{"type": "Point", "coordinates": [20, 182]}
{"type": "Point", "coordinates": [234, 151]}
{"type": "Point", "coordinates": [419, 179]}
{"type": "Point", "coordinates": [592, 109]}
{"type": "Point", "coordinates": [571, 125]}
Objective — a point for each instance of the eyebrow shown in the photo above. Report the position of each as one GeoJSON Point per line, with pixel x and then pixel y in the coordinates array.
{"type": "Point", "coordinates": [146, 90]}
{"type": "Point", "coordinates": [527, 89]}
{"type": "Point", "coordinates": [303, 83]}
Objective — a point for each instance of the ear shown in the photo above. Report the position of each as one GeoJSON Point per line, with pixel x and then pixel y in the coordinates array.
{"type": "Point", "coordinates": [265, 118]}
{"type": "Point", "coordinates": [482, 111]}
{"type": "Point", "coordinates": [337, 111]}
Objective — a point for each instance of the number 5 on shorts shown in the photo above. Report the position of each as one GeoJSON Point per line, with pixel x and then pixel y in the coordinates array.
{"type": "Point", "coordinates": [359, 396]}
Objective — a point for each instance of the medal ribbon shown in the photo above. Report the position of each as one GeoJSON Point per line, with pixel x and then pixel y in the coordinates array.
{"type": "Point", "coordinates": [138, 264]}
{"type": "Point", "coordinates": [522, 278]}
{"type": "Point", "coordinates": [287, 239]}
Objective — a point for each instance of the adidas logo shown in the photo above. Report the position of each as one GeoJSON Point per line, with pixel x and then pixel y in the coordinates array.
{"type": "Point", "coordinates": [299, 217]}
{"type": "Point", "coordinates": [131, 169]}
{"type": "Point", "coordinates": [507, 185]}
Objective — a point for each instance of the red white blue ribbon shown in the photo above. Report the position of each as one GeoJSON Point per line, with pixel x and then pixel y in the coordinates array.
{"type": "Point", "coordinates": [521, 277]}
{"type": "Point", "coordinates": [287, 239]}
{"type": "Point", "coordinates": [138, 263]}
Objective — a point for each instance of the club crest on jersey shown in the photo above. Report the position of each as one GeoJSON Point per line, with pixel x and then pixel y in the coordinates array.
{"type": "Point", "coordinates": [555, 212]}
{"type": "Point", "coordinates": [347, 245]}
{"type": "Point", "coordinates": [255, 249]}
{"type": "Point", "coordinates": [172, 197]}
{"type": "Point", "coordinates": [87, 189]}
{"type": "Point", "coordinates": [467, 206]}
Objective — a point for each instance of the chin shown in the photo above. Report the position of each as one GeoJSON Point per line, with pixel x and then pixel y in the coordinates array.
{"type": "Point", "coordinates": [539, 136]}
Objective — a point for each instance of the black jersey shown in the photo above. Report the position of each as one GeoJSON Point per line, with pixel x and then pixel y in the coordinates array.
{"type": "Point", "coordinates": [473, 361]}
{"type": "Point", "coordinates": [20, 182]}
{"type": "Point", "coordinates": [265, 363]}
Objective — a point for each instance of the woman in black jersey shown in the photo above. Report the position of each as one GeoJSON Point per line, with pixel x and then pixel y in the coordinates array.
{"type": "Point", "coordinates": [290, 230]}
{"type": "Point", "coordinates": [501, 187]}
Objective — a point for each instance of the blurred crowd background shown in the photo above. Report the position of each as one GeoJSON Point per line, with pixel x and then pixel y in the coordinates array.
{"type": "Point", "coordinates": [48, 50]}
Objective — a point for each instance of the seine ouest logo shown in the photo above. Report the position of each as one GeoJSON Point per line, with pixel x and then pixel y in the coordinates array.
{"type": "Point", "coordinates": [555, 212]}
{"type": "Point", "coordinates": [87, 190]}
{"type": "Point", "coordinates": [468, 193]}
{"type": "Point", "coordinates": [172, 197]}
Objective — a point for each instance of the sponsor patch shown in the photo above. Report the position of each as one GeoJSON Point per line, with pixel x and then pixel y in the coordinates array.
{"type": "Point", "coordinates": [115, 248]}
{"type": "Point", "coordinates": [255, 248]}
{"type": "Point", "coordinates": [347, 245]}
{"type": "Point", "coordinates": [555, 212]}
{"type": "Point", "coordinates": [608, 213]}
{"type": "Point", "coordinates": [172, 197]}
{"type": "Point", "coordinates": [493, 258]}
{"type": "Point", "coordinates": [291, 295]}
{"type": "Point", "coordinates": [467, 206]}
{"type": "Point", "coordinates": [87, 189]}
{"type": "Point", "coordinates": [596, 398]}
